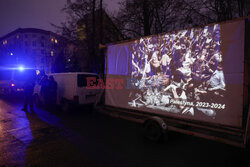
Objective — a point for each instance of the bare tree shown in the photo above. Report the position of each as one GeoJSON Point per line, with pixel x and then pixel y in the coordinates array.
{"type": "Point", "coordinates": [207, 11]}
{"type": "Point", "coordinates": [75, 12]}
{"type": "Point", "coordinates": [145, 17]}
{"type": "Point", "coordinates": [75, 30]}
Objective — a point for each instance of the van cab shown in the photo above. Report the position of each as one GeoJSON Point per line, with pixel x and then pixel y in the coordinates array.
{"type": "Point", "coordinates": [12, 81]}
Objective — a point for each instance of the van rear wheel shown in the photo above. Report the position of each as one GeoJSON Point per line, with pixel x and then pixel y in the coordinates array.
{"type": "Point", "coordinates": [65, 105]}
{"type": "Point", "coordinates": [153, 131]}
{"type": "Point", "coordinates": [37, 101]}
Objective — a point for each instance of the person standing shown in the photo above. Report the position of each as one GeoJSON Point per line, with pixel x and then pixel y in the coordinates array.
{"type": "Point", "coordinates": [45, 90]}
{"type": "Point", "coordinates": [28, 90]}
{"type": "Point", "coordinates": [52, 92]}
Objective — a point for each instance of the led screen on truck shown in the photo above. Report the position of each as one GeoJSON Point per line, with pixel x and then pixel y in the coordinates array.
{"type": "Point", "coordinates": [192, 74]}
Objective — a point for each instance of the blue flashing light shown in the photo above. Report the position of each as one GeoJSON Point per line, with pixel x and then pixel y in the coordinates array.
{"type": "Point", "coordinates": [20, 68]}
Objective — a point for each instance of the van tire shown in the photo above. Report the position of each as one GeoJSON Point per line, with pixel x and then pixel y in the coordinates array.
{"type": "Point", "coordinates": [153, 131]}
{"type": "Point", "coordinates": [37, 101]}
{"type": "Point", "coordinates": [65, 105]}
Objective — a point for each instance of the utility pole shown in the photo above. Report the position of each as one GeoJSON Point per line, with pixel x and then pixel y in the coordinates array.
{"type": "Point", "coordinates": [146, 25]}
{"type": "Point", "coordinates": [101, 51]}
{"type": "Point", "coordinates": [93, 36]}
{"type": "Point", "coordinates": [101, 23]}
{"type": "Point", "coordinates": [93, 20]}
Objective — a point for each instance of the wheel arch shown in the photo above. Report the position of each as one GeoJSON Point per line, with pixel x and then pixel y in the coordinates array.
{"type": "Point", "coordinates": [162, 124]}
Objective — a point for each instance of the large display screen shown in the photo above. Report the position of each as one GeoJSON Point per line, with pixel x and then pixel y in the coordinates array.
{"type": "Point", "coordinates": [192, 74]}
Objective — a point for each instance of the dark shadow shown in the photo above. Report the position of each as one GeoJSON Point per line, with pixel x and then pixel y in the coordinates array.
{"type": "Point", "coordinates": [49, 146]}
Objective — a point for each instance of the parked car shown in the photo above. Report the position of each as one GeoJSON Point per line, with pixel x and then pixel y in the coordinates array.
{"type": "Point", "coordinates": [12, 80]}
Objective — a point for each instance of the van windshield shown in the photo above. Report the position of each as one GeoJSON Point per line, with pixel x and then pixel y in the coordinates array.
{"type": "Point", "coordinates": [19, 76]}
{"type": "Point", "coordinates": [5, 74]}
{"type": "Point", "coordinates": [82, 81]}
{"type": "Point", "coordinates": [24, 75]}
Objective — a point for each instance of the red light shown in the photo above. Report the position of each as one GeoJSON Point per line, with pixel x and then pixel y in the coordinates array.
{"type": "Point", "coordinates": [12, 85]}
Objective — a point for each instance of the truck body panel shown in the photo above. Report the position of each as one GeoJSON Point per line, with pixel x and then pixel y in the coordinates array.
{"type": "Point", "coordinates": [72, 87]}
{"type": "Point", "coordinates": [197, 77]}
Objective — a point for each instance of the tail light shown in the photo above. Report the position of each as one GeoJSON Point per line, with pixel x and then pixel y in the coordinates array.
{"type": "Point", "coordinates": [76, 99]}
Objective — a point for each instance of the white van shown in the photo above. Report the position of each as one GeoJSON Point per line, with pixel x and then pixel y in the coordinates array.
{"type": "Point", "coordinates": [71, 89]}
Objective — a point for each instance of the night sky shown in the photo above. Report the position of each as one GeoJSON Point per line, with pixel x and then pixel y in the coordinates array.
{"type": "Point", "coordinates": [35, 13]}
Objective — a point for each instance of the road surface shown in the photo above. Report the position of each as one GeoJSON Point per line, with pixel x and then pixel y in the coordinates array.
{"type": "Point", "coordinates": [81, 138]}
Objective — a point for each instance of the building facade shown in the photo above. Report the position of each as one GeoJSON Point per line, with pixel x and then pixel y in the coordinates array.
{"type": "Point", "coordinates": [34, 48]}
{"type": "Point", "coordinates": [105, 32]}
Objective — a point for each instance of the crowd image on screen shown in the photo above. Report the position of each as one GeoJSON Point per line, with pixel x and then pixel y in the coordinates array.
{"type": "Point", "coordinates": [183, 66]}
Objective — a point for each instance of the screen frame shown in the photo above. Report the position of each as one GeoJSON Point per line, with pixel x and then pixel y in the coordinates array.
{"type": "Point", "coordinates": [245, 79]}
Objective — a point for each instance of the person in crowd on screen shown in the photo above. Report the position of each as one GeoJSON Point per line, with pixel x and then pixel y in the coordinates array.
{"type": "Point", "coordinates": [198, 69]}
{"type": "Point", "coordinates": [185, 73]}
{"type": "Point", "coordinates": [197, 75]}
{"type": "Point", "coordinates": [214, 61]}
{"type": "Point", "coordinates": [165, 61]}
{"type": "Point", "coordinates": [216, 83]}
{"type": "Point", "coordinates": [178, 58]}
{"type": "Point", "coordinates": [148, 97]}
{"type": "Point", "coordinates": [179, 94]}
{"type": "Point", "coordinates": [154, 63]}
{"type": "Point", "coordinates": [146, 68]}
{"type": "Point", "coordinates": [175, 83]}
{"type": "Point", "coordinates": [135, 65]}
{"type": "Point", "coordinates": [156, 97]}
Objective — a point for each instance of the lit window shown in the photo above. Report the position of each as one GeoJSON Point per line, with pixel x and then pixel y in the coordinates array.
{"type": "Point", "coordinates": [52, 53]}
{"type": "Point", "coordinates": [56, 41]}
{"type": "Point", "coordinates": [52, 39]}
{"type": "Point", "coordinates": [5, 42]}
{"type": "Point", "coordinates": [17, 36]}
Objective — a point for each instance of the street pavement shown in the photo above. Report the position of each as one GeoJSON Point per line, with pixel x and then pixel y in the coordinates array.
{"type": "Point", "coordinates": [86, 138]}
